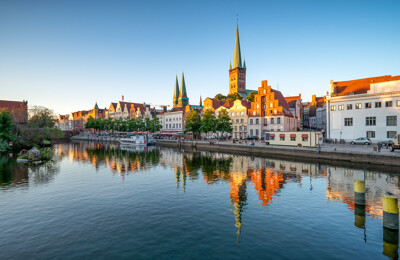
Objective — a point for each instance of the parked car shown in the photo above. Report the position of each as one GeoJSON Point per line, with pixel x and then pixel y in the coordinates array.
{"type": "Point", "coordinates": [361, 140]}
{"type": "Point", "coordinates": [252, 138]}
{"type": "Point", "coordinates": [395, 145]}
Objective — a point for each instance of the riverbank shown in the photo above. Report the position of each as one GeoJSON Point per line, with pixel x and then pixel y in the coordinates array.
{"type": "Point", "coordinates": [350, 154]}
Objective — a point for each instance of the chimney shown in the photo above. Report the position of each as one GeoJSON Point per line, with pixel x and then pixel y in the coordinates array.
{"type": "Point", "coordinates": [122, 97]}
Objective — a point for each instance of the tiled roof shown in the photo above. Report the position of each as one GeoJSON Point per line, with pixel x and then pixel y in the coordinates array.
{"type": "Point", "coordinates": [280, 98]}
{"type": "Point", "coordinates": [292, 100]}
{"type": "Point", "coordinates": [246, 103]}
{"type": "Point", "coordinates": [359, 86]}
{"type": "Point", "coordinates": [17, 109]}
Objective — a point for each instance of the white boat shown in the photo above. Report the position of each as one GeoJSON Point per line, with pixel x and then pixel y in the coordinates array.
{"type": "Point", "coordinates": [139, 140]}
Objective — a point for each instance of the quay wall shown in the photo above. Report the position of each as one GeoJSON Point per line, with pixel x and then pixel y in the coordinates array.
{"type": "Point", "coordinates": [308, 154]}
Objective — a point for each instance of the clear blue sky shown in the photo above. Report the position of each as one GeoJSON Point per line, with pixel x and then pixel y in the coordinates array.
{"type": "Point", "coordinates": [66, 55]}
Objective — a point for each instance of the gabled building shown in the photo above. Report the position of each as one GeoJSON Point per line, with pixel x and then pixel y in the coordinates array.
{"type": "Point", "coordinates": [238, 113]}
{"type": "Point", "coordinates": [270, 112]}
{"type": "Point", "coordinates": [212, 104]}
{"type": "Point", "coordinates": [310, 112]}
{"type": "Point", "coordinates": [295, 108]}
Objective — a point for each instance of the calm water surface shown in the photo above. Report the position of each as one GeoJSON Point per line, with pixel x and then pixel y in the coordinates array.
{"type": "Point", "coordinates": [100, 201]}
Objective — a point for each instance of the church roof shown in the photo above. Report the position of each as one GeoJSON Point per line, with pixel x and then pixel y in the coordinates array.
{"type": "Point", "coordinates": [183, 93]}
{"type": "Point", "coordinates": [248, 91]}
{"type": "Point", "coordinates": [237, 60]}
{"type": "Point", "coordinates": [176, 91]}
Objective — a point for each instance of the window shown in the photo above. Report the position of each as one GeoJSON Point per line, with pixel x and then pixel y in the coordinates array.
{"type": "Point", "coordinates": [391, 134]}
{"type": "Point", "coordinates": [304, 139]}
{"type": "Point", "coordinates": [282, 138]}
{"type": "Point", "coordinates": [233, 113]}
{"type": "Point", "coordinates": [278, 120]}
{"type": "Point", "coordinates": [292, 137]}
{"type": "Point", "coordinates": [391, 120]}
{"type": "Point", "coordinates": [257, 121]}
{"type": "Point", "coordinates": [358, 106]}
{"type": "Point", "coordinates": [370, 120]}
{"type": "Point", "coordinates": [348, 121]}
{"type": "Point", "coordinates": [272, 121]}
{"type": "Point", "coordinates": [235, 127]}
{"type": "Point", "coordinates": [258, 106]}
{"type": "Point", "coordinates": [272, 137]}
{"type": "Point", "coordinates": [240, 128]}
{"type": "Point", "coordinates": [237, 120]}
{"type": "Point", "coordinates": [241, 120]}
{"type": "Point", "coordinates": [244, 128]}
{"type": "Point", "coordinates": [370, 134]}
{"type": "Point", "coordinates": [251, 121]}
{"type": "Point", "coordinates": [251, 132]}
{"type": "Point", "coordinates": [388, 103]}
{"type": "Point", "coordinates": [271, 105]}
{"type": "Point", "coordinates": [398, 103]}
{"type": "Point", "coordinates": [341, 107]}
{"type": "Point", "coordinates": [256, 132]}
{"type": "Point", "coordinates": [349, 106]}
{"type": "Point", "coordinates": [368, 105]}
{"type": "Point", "coordinates": [378, 104]}
{"type": "Point", "coordinates": [333, 108]}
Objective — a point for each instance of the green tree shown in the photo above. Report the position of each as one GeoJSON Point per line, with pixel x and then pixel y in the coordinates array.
{"type": "Point", "coordinates": [250, 97]}
{"type": "Point", "coordinates": [141, 125]}
{"type": "Point", "coordinates": [208, 122]}
{"type": "Point", "coordinates": [193, 122]}
{"type": "Point", "coordinates": [5, 126]}
{"type": "Point", "coordinates": [154, 125]}
{"type": "Point", "coordinates": [233, 97]}
{"type": "Point", "coordinates": [220, 97]}
{"type": "Point", "coordinates": [90, 123]}
{"type": "Point", "coordinates": [224, 122]}
{"type": "Point", "coordinates": [41, 117]}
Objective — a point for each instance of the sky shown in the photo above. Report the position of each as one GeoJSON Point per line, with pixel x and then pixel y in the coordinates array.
{"type": "Point", "coordinates": [68, 55]}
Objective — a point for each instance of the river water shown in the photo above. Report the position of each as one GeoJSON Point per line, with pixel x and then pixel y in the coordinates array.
{"type": "Point", "coordinates": [103, 201]}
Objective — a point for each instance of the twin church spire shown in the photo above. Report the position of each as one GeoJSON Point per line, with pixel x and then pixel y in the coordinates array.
{"type": "Point", "coordinates": [237, 59]}
{"type": "Point", "coordinates": [180, 95]}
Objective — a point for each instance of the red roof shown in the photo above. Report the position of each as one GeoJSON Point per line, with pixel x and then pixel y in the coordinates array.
{"type": "Point", "coordinates": [18, 110]}
{"type": "Point", "coordinates": [280, 98]}
{"type": "Point", "coordinates": [359, 86]}
{"type": "Point", "coordinates": [292, 100]}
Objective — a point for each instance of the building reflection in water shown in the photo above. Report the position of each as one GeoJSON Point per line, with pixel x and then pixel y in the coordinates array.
{"type": "Point", "coordinates": [268, 176]}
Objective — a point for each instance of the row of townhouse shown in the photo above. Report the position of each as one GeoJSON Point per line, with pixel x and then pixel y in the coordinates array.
{"type": "Point", "coordinates": [126, 110]}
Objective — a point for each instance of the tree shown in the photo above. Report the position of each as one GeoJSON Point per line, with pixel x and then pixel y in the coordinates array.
{"type": "Point", "coordinates": [250, 97]}
{"type": "Point", "coordinates": [41, 117]}
{"type": "Point", "coordinates": [5, 126]}
{"type": "Point", "coordinates": [90, 122]}
{"type": "Point", "coordinates": [208, 122]}
{"type": "Point", "coordinates": [193, 122]}
{"type": "Point", "coordinates": [233, 97]}
{"type": "Point", "coordinates": [224, 123]}
{"type": "Point", "coordinates": [154, 125]}
{"type": "Point", "coordinates": [220, 97]}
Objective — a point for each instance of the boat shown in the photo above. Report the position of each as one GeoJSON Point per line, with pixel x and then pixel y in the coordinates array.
{"type": "Point", "coordinates": [139, 140]}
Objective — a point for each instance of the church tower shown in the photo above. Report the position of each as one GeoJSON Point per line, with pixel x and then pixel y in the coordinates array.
{"type": "Point", "coordinates": [175, 101]}
{"type": "Point", "coordinates": [183, 100]}
{"type": "Point", "coordinates": [237, 72]}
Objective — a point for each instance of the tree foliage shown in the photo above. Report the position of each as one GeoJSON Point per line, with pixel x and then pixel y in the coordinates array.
{"type": "Point", "coordinates": [224, 123]}
{"type": "Point", "coordinates": [193, 122]}
{"type": "Point", "coordinates": [124, 125]}
{"type": "Point", "coordinates": [250, 97]}
{"type": "Point", "coordinates": [41, 117]}
{"type": "Point", "coordinates": [233, 97]}
{"type": "Point", "coordinates": [208, 122]}
{"type": "Point", "coordinates": [5, 126]}
{"type": "Point", "coordinates": [220, 97]}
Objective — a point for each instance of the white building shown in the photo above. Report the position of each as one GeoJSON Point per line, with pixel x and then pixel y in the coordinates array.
{"type": "Point", "coordinates": [171, 121]}
{"type": "Point", "coordinates": [364, 108]}
{"type": "Point", "coordinates": [321, 119]}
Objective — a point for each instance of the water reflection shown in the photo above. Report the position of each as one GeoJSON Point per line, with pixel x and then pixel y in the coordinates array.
{"type": "Point", "coordinates": [245, 177]}
{"type": "Point", "coordinates": [13, 174]}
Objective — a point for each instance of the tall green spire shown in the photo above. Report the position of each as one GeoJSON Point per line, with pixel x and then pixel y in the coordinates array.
{"type": "Point", "coordinates": [183, 93]}
{"type": "Point", "coordinates": [176, 92]}
{"type": "Point", "coordinates": [237, 60]}
{"type": "Point", "coordinates": [230, 65]}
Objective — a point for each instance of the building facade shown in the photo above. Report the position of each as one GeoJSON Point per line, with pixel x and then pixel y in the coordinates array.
{"type": "Point", "coordinates": [18, 111]}
{"type": "Point", "coordinates": [364, 108]}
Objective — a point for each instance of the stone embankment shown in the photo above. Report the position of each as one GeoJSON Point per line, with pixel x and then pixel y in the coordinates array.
{"type": "Point", "coordinates": [351, 154]}
{"type": "Point", "coordinates": [97, 138]}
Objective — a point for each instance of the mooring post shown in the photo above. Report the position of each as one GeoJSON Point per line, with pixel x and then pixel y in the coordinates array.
{"type": "Point", "coordinates": [359, 192]}
{"type": "Point", "coordinates": [390, 211]}
{"type": "Point", "coordinates": [390, 242]}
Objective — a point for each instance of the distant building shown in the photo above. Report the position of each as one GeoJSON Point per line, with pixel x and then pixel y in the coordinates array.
{"type": "Point", "coordinates": [310, 112]}
{"type": "Point", "coordinates": [238, 113]}
{"type": "Point", "coordinates": [367, 107]}
{"type": "Point", "coordinates": [295, 107]}
{"type": "Point", "coordinates": [17, 109]}
{"type": "Point", "coordinates": [180, 99]}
